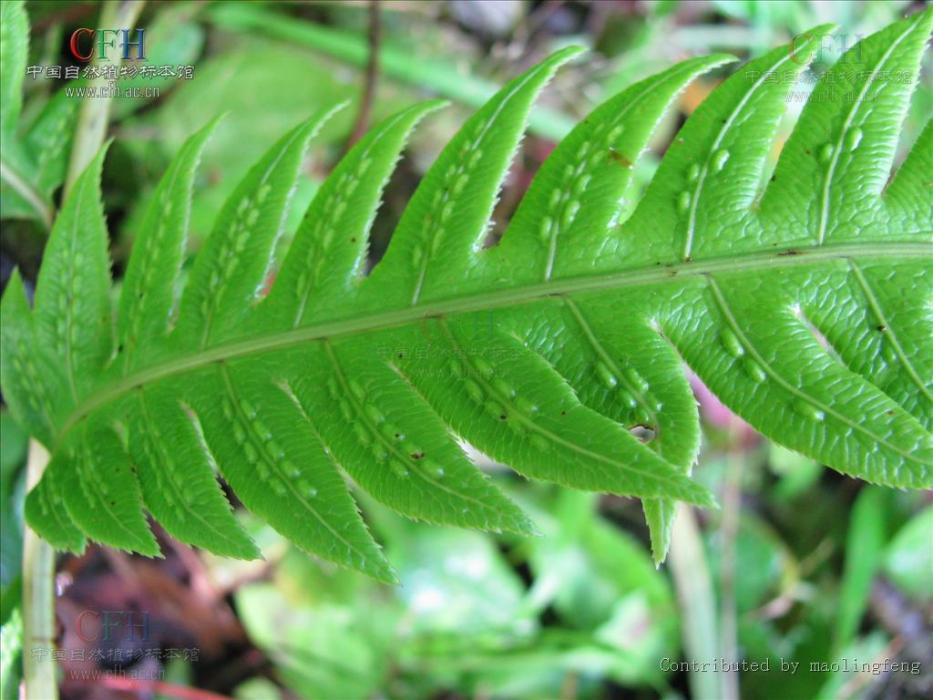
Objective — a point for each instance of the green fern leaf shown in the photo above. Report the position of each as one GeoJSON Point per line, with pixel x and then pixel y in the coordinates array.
{"type": "Point", "coordinates": [13, 55]}
{"type": "Point", "coordinates": [106, 504]}
{"type": "Point", "coordinates": [72, 315]}
{"type": "Point", "coordinates": [24, 374]}
{"type": "Point", "coordinates": [33, 159]}
{"type": "Point", "coordinates": [147, 298]}
{"type": "Point", "coordinates": [45, 509]}
{"type": "Point", "coordinates": [797, 297]}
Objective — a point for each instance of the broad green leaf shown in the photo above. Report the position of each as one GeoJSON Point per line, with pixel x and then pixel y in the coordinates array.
{"type": "Point", "coordinates": [457, 585]}
{"type": "Point", "coordinates": [762, 563]}
{"type": "Point", "coordinates": [800, 301]}
{"type": "Point", "coordinates": [321, 651]}
{"type": "Point", "coordinates": [601, 580]}
{"type": "Point", "coordinates": [908, 558]}
{"type": "Point", "coordinates": [795, 472]}
{"type": "Point", "coordinates": [11, 649]}
{"type": "Point", "coordinates": [258, 688]}
{"type": "Point", "coordinates": [864, 543]}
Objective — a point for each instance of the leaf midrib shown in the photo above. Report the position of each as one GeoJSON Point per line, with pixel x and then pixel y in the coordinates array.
{"type": "Point", "coordinates": [498, 298]}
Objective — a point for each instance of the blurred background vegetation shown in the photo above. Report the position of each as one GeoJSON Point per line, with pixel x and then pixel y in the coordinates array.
{"type": "Point", "coordinates": [800, 566]}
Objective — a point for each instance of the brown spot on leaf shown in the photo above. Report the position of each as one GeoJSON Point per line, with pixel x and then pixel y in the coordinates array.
{"type": "Point", "coordinates": [620, 158]}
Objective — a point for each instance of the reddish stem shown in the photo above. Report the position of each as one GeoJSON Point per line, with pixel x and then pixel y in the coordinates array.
{"type": "Point", "coordinates": [139, 685]}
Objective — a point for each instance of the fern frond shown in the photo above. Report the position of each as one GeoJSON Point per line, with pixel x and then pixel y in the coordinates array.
{"type": "Point", "coordinates": [801, 300]}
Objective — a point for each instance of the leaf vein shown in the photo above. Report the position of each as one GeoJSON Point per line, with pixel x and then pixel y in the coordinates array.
{"type": "Point", "coordinates": [790, 388]}
{"type": "Point", "coordinates": [875, 306]}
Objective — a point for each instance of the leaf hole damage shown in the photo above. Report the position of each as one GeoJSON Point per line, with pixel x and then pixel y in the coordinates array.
{"type": "Point", "coordinates": [644, 433]}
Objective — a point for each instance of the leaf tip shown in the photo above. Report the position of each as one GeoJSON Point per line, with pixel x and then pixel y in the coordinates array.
{"type": "Point", "coordinates": [568, 52]}
{"type": "Point", "coordinates": [522, 525]}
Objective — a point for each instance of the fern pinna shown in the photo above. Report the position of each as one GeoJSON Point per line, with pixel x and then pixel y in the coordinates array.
{"type": "Point", "coordinates": [801, 298]}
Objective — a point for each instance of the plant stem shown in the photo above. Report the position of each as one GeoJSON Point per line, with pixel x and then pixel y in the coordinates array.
{"type": "Point", "coordinates": [495, 299]}
{"type": "Point", "coordinates": [38, 556]}
{"type": "Point", "coordinates": [370, 79]}
{"type": "Point", "coordinates": [697, 605]}
{"type": "Point", "coordinates": [29, 194]}
{"type": "Point", "coordinates": [138, 686]}
{"type": "Point", "coordinates": [94, 115]}
{"type": "Point", "coordinates": [728, 532]}
{"type": "Point", "coordinates": [38, 597]}
{"type": "Point", "coordinates": [396, 63]}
